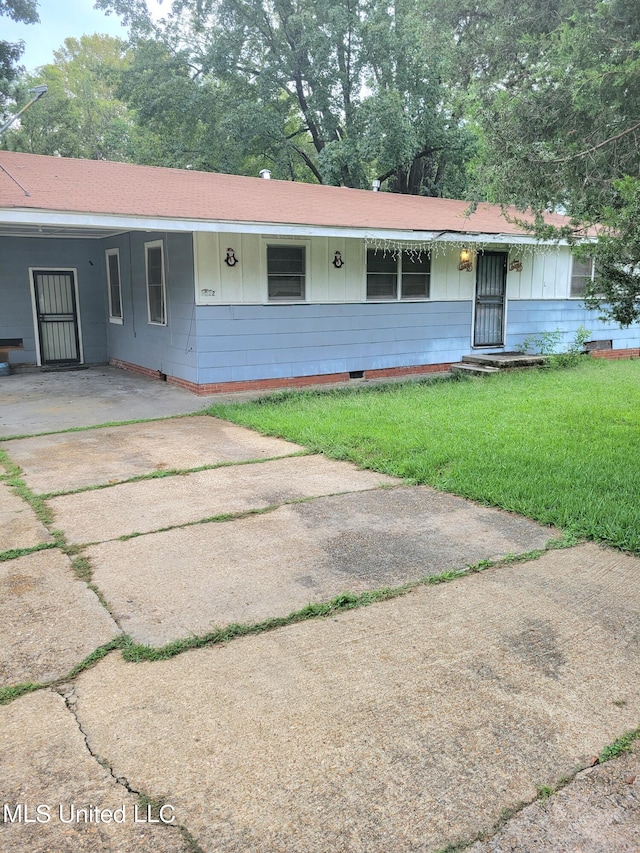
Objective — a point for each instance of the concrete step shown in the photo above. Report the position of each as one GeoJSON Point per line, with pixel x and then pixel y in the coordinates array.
{"type": "Point", "coordinates": [473, 369]}
{"type": "Point", "coordinates": [505, 360]}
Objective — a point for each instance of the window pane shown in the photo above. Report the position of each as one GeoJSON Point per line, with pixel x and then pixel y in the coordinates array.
{"type": "Point", "coordinates": [155, 285]}
{"type": "Point", "coordinates": [416, 271]}
{"type": "Point", "coordinates": [381, 286]}
{"type": "Point", "coordinates": [380, 262]}
{"type": "Point", "coordinates": [382, 275]}
{"type": "Point", "coordinates": [580, 276]}
{"type": "Point", "coordinates": [154, 265]}
{"type": "Point", "coordinates": [114, 286]}
{"type": "Point", "coordinates": [286, 271]}
{"type": "Point", "coordinates": [414, 286]}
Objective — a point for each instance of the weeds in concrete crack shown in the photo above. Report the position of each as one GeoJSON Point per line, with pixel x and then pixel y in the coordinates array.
{"type": "Point", "coordinates": [14, 553]}
{"type": "Point", "coordinates": [229, 516]}
{"type": "Point", "coordinates": [119, 642]}
{"type": "Point", "coordinates": [82, 569]}
{"type": "Point", "coordinates": [14, 691]}
{"type": "Point", "coordinates": [620, 746]}
{"type": "Point", "coordinates": [190, 842]}
{"type": "Point", "coordinates": [17, 437]}
{"type": "Point", "coordinates": [8, 694]}
{"type": "Point", "coordinates": [614, 750]}
{"type": "Point", "coordinates": [18, 485]}
{"type": "Point", "coordinates": [345, 601]}
{"type": "Point", "coordinates": [172, 472]}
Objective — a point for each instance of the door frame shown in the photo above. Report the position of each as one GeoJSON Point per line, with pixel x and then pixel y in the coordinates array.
{"type": "Point", "coordinates": [34, 307]}
{"type": "Point", "coordinates": [505, 254]}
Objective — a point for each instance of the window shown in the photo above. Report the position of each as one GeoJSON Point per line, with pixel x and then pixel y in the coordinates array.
{"type": "Point", "coordinates": [403, 276]}
{"type": "Point", "coordinates": [286, 272]}
{"type": "Point", "coordinates": [156, 296]}
{"type": "Point", "coordinates": [581, 276]}
{"type": "Point", "coordinates": [113, 285]}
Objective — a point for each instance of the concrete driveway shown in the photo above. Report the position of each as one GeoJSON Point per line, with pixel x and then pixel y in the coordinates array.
{"type": "Point", "coordinates": [411, 724]}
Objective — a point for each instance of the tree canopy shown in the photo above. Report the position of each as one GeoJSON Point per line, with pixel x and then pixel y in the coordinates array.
{"type": "Point", "coordinates": [336, 92]}
{"type": "Point", "coordinates": [81, 115]}
{"type": "Point", "coordinates": [555, 90]}
{"type": "Point", "coordinates": [10, 52]}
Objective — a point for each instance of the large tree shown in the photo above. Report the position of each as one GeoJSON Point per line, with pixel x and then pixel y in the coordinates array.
{"type": "Point", "coordinates": [337, 92]}
{"type": "Point", "coordinates": [559, 107]}
{"type": "Point", "coordinates": [10, 52]}
{"type": "Point", "coordinates": [81, 115]}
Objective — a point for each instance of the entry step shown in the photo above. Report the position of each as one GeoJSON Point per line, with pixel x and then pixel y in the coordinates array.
{"type": "Point", "coordinates": [505, 360]}
{"type": "Point", "coordinates": [473, 369]}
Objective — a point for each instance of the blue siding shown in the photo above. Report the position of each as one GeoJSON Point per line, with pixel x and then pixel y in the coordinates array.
{"type": "Point", "coordinates": [528, 317]}
{"type": "Point", "coordinates": [247, 342]}
{"type": "Point", "coordinates": [17, 255]}
{"type": "Point", "coordinates": [169, 349]}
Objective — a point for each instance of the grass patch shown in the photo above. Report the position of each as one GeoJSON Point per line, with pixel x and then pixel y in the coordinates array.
{"type": "Point", "coordinates": [553, 445]}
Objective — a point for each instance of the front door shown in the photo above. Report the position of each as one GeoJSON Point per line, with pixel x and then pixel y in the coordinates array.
{"type": "Point", "coordinates": [57, 315]}
{"type": "Point", "coordinates": [491, 281]}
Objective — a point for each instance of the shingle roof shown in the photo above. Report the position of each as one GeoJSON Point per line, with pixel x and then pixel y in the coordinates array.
{"type": "Point", "coordinates": [102, 187]}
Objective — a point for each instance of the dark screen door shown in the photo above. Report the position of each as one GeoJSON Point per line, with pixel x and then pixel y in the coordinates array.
{"type": "Point", "coordinates": [57, 317]}
{"type": "Point", "coordinates": [491, 279]}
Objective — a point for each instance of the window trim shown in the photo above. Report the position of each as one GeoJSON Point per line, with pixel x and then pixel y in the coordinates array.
{"type": "Point", "coordinates": [398, 297]}
{"type": "Point", "coordinates": [155, 244]}
{"type": "Point", "coordinates": [118, 319]}
{"type": "Point", "coordinates": [281, 244]}
{"type": "Point", "coordinates": [586, 278]}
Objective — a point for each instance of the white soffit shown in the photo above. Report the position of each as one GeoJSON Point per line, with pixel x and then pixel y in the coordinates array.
{"type": "Point", "coordinates": [31, 223]}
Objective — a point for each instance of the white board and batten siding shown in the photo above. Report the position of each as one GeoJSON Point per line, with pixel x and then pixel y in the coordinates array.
{"type": "Point", "coordinates": [545, 274]}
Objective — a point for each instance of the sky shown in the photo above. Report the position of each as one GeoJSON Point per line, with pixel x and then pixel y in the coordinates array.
{"type": "Point", "coordinates": [59, 19]}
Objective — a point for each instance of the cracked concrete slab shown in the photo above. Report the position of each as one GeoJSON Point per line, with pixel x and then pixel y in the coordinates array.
{"type": "Point", "coordinates": [49, 620]}
{"type": "Point", "coordinates": [44, 762]}
{"type": "Point", "coordinates": [40, 401]}
{"type": "Point", "coordinates": [169, 585]}
{"type": "Point", "coordinates": [78, 459]}
{"type": "Point", "coordinates": [403, 726]}
{"type": "Point", "coordinates": [19, 525]}
{"type": "Point", "coordinates": [598, 812]}
{"type": "Point", "coordinates": [141, 507]}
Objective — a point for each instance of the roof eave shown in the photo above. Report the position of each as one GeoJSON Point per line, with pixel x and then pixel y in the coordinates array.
{"type": "Point", "coordinates": [122, 222]}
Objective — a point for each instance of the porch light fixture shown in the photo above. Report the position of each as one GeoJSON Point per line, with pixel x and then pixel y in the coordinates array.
{"type": "Point", "coordinates": [338, 260]}
{"type": "Point", "coordinates": [466, 261]}
{"type": "Point", "coordinates": [516, 265]}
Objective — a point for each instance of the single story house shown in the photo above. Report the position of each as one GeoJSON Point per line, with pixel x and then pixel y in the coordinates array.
{"type": "Point", "coordinates": [217, 282]}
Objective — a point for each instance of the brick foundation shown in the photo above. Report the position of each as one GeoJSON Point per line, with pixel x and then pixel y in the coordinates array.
{"type": "Point", "coordinates": [274, 384]}
{"type": "Point", "coordinates": [633, 352]}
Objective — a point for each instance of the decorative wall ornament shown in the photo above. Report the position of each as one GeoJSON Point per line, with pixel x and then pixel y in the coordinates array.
{"type": "Point", "coordinates": [337, 260]}
{"type": "Point", "coordinates": [466, 260]}
{"type": "Point", "coordinates": [231, 259]}
{"type": "Point", "coordinates": [516, 265]}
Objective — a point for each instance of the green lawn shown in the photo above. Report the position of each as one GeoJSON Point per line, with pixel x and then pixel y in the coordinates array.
{"type": "Point", "coordinates": [560, 446]}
